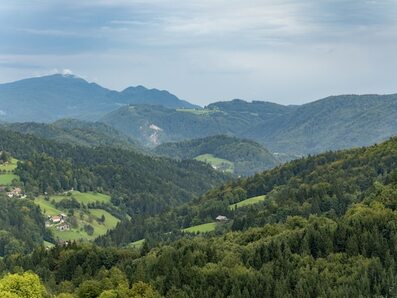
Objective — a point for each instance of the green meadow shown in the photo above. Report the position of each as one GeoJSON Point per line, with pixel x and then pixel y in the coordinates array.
{"type": "Point", "coordinates": [83, 216]}
{"type": "Point", "coordinates": [217, 163]}
{"type": "Point", "coordinates": [200, 112]}
{"type": "Point", "coordinates": [10, 166]}
{"type": "Point", "coordinates": [6, 179]}
{"type": "Point", "coordinates": [203, 228]}
{"type": "Point", "coordinates": [247, 202]}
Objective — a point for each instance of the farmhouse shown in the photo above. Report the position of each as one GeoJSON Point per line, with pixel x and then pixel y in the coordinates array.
{"type": "Point", "coordinates": [221, 218]}
{"type": "Point", "coordinates": [56, 219]}
{"type": "Point", "coordinates": [15, 192]}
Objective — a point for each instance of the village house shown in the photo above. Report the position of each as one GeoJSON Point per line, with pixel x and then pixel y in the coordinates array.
{"type": "Point", "coordinates": [55, 219]}
{"type": "Point", "coordinates": [221, 218]}
{"type": "Point", "coordinates": [15, 192]}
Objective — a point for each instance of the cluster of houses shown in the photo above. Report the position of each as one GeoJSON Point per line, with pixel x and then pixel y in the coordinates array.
{"type": "Point", "coordinates": [59, 221]}
{"type": "Point", "coordinates": [16, 192]}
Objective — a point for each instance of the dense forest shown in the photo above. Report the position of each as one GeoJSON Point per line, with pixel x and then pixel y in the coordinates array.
{"type": "Point", "coordinates": [248, 157]}
{"type": "Point", "coordinates": [326, 228]}
{"type": "Point", "coordinates": [21, 226]}
{"type": "Point", "coordinates": [326, 184]}
{"type": "Point", "coordinates": [76, 132]}
{"type": "Point", "coordinates": [137, 183]}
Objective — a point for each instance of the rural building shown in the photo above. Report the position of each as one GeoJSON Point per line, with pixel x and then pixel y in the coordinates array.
{"type": "Point", "coordinates": [15, 192]}
{"type": "Point", "coordinates": [221, 218]}
{"type": "Point", "coordinates": [56, 219]}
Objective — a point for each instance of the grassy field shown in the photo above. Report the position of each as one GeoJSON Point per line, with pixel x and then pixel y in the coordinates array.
{"type": "Point", "coordinates": [91, 219]}
{"type": "Point", "coordinates": [48, 244]}
{"type": "Point", "coordinates": [137, 244]}
{"type": "Point", "coordinates": [47, 207]}
{"type": "Point", "coordinates": [200, 112]}
{"type": "Point", "coordinates": [10, 166]}
{"type": "Point", "coordinates": [217, 163]}
{"type": "Point", "coordinates": [83, 198]}
{"type": "Point", "coordinates": [83, 217]}
{"type": "Point", "coordinates": [6, 179]}
{"type": "Point", "coordinates": [247, 202]}
{"type": "Point", "coordinates": [208, 227]}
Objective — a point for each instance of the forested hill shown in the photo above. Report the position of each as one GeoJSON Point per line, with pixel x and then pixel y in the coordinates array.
{"type": "Point", "coordinates": [245, 157]}
{"type": "Point", "coordinates": [327, 228]}
{"type": "Point", "coordinates": [337, 122]}
{"type": "Point", "coordinates": [327, 184]}
{"type": "Point", "coordinates": [138, 183]}
{"type": "Point", "coordinates": [76, 132]}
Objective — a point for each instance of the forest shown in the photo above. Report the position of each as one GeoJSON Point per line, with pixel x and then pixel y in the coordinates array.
{"type": "Point", "coordinates": [326, 229]}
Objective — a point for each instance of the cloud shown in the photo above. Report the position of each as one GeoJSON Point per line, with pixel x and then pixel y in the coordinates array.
{"type": "Point", "coordinates": [207, 49]}
{"type": "Point", "coordinates": [67, 72]}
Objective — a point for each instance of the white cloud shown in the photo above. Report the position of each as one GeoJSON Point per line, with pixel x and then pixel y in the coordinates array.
{"type": "Point", "coordinates": [67, 72]}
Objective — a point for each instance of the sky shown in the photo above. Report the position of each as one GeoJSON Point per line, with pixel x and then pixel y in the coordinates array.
{"type": "Point", "coordinates": [284, 51]}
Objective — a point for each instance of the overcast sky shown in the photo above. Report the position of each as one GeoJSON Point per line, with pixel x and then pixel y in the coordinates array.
{"type": "Point", "coordinates": [283, 51]}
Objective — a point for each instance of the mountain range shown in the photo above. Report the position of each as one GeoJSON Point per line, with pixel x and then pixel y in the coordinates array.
{"type": "Point", "coordinates": [332, 123]}
{"type": "Point", "coordinates": [153, 117]}
{"type": "Point", "coordinates": [49, 98]}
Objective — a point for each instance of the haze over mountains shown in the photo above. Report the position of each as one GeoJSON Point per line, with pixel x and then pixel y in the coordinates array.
{"type": "Point", "coordinates": [152, 117]}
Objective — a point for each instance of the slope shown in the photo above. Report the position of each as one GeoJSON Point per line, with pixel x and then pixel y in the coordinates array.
{"type": "Point", "coordinates": [248, 157]}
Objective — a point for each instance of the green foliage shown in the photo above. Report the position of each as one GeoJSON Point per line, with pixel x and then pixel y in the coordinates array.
{"type": "Point", "coordinates": [21, 226]}
{"type": "Point", "coordinates": [27, 285]}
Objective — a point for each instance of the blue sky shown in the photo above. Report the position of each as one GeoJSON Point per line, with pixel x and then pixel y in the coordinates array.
{"type": "Point", "coordinates": [283, 51]}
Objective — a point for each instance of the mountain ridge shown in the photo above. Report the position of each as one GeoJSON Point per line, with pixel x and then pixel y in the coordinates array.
{"type": "Point", "coordinates": [49, 98]}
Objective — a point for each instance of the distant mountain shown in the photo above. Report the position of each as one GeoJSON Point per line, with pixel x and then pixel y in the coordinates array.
{"type": "Point", "coordinates": [82, 133]}
{"type": "Point", "coordinates": [49, 98]}
{"type": "Point", "coordinates": [142, 95]}
{"type": "Point", "coordinates": [153, 125]}
{"type": "Point", "coordinates": [242, 157]}
{"type": "Point", "coordinates": [332, 123]}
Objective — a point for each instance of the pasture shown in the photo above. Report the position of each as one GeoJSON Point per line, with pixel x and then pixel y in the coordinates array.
{"type": "Point", "coordinates": [247, 202]}
{"type": "Point", "coordinates": [203, 228]}
{"type": "Point", "coordinates": [6, 179]}
{"type": "Point", "coordinates": [217, 163]}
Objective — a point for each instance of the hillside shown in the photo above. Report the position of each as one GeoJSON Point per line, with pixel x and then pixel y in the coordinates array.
{"type": "Point", "coordinates": [332, 123]}
{"type": "Point", "coordinates": [337, 122]}
{"type": "Point", "coordinates": [49, 98]}
{"type": "Point", "coordinates": [76, 132]}
{"type": "Point", "coordinates": [247, 157]}
{"type": "Point", "coordinates": [327, 184]}
{"type": "Point", "coordinates": [318, 226]}
{"type": "Point", "coordinates": [138, 184]}
{"type": "Point", "coordinates": [153, 125]}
